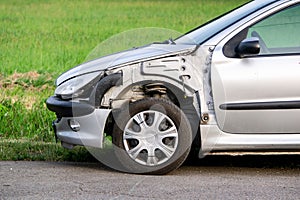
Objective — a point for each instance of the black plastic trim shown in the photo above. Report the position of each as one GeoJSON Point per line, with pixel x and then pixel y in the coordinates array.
{"type": "Point", "coordinates": [277, 105]}
{"type": "Point", "coordinates": [64, 108]}
{"type": "Point", "coordinates": [55, 130]}
{"type": "Point", "coordinates": [103, 86]}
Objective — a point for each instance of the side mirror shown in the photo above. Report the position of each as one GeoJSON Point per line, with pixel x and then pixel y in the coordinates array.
{"type": "Point", "coordinates": [248, 47]}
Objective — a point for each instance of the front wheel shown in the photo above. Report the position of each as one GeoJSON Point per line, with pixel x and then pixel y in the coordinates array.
{"type": "Point", "coordinates": [151, 136]}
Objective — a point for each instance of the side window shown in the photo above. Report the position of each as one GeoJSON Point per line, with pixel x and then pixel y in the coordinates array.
{"type": "Point", "coordinates": [279, 33]}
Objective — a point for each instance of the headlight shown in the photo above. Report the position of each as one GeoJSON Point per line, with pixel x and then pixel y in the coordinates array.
{"type": "Point", "coordinates": [75, 86]}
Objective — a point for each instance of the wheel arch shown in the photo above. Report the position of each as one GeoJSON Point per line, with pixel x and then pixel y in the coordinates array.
{"type": "Point", "coordinates": [189, 104]}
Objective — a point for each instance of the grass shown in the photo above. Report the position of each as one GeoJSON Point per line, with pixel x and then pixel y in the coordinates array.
{"type": "Point", "coordinates": [23, 113]}
{"type": "Point", "coordinates": [40, 39]}
{"type": "Point", "coordinates": [52, 36]}
{"type": "Point", "coordinates": [41, 151]}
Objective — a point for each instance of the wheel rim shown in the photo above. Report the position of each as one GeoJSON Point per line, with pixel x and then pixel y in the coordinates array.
{"type": "Point", "coordinates": [150, 138]}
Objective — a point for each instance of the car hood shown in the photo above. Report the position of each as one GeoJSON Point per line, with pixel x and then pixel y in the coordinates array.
{"type": "Point", "coordinates": [125, 57]}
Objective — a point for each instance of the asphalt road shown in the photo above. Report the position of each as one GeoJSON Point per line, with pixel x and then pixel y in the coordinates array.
{"type": "Point", "coordinates": [218, 177]}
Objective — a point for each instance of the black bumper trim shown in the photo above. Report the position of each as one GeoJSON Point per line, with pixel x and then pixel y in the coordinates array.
{"type": "Point", "coordinates": [55, 130]}
{"type": "Point", "coordinates": [67, 108]}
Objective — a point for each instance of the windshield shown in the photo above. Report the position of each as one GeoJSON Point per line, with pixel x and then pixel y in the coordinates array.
{"type": "Point", "coordinates": [211, 28]}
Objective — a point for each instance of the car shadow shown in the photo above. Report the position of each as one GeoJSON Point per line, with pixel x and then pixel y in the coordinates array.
{"type": "Point", "coordinates": [249, 161]}
{"type": "Point", "coordinates": [213, 161]}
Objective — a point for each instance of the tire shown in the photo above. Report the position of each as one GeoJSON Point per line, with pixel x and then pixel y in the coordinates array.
{"type": "Point", "coordinates": [151, 136]}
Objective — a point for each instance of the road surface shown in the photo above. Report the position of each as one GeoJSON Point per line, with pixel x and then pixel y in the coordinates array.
{"type": "Point", "coordinates": [215, 178]}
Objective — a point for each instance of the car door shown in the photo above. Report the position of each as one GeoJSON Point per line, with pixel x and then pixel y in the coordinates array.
{"type": "Point", "coordinates": [260, 93]}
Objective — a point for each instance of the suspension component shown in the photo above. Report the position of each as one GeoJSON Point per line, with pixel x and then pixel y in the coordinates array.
{"type": "Point", "coordinates": [155, 90]}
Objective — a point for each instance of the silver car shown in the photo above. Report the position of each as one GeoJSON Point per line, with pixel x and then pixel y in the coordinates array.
{"type": "Point", "coordinates": [229, 85]}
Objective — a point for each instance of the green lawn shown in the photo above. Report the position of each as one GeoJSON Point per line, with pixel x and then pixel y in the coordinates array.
{"type": "Point", "coordinates": [52, 36]}
{"type": "Point", "coordinates": [41, 38]}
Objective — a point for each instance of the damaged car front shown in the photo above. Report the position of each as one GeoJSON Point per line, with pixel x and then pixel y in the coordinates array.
{"type": "Point", "coordinates": [87, 96]}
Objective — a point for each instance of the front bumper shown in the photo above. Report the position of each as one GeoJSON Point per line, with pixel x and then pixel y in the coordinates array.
{"type": "Point", "coordinates": [91, 122]}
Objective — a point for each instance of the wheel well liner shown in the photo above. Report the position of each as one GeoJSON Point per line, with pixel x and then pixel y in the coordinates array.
{"type": "Point", "coordinates": [103, 86]}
